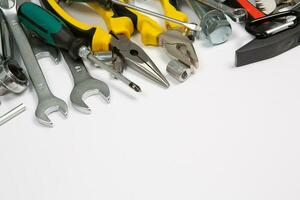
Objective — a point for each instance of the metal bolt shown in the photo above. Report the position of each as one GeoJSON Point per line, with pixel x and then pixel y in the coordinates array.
{"type": "Point", "coordinates": [214, 24]}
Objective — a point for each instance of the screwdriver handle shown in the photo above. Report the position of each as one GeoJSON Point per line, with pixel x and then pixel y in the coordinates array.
{"type": "Point", "coordinates": [171, 9]}
{"type": "Point", "coordinates": [49, 28]}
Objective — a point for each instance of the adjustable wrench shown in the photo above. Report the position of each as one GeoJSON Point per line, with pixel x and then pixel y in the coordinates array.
{"type": "Point", "coordinates": [47, 102]}
{"type": "Point", "coordinates": [84, 84]}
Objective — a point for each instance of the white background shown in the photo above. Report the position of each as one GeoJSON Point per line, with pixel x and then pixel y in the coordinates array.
{"type": "Point", "coordinates": [227, 133]}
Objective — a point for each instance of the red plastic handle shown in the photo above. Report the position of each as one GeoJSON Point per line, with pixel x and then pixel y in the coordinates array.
{"type": "Point", "coordinates": [252, 10]}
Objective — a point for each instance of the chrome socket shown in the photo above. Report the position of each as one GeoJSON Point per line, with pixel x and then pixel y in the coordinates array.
{"type": "Point", "coordinates": [12, 78]}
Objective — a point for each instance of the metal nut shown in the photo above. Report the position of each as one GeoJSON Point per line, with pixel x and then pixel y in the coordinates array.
{"type": "Point", "coordinates": [178, 70]}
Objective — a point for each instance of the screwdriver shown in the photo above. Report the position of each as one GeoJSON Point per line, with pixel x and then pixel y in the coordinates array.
{"type": "Point", "coordinates": [108, 4]}
{"type": "Point", "coordinates": [53, 31]}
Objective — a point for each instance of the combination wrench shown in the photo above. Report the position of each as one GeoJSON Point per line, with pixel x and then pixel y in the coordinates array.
{"type": "Point", "coordinates": [236, 14]}
{"type": "Point", "coordinates": [42, 50]}
{"type": "Point", "coordinates": [84, 84]}
{"type": "Point", "coordinates": [47, 102]}
{"type": "Point", "coordinates": [12, 77]}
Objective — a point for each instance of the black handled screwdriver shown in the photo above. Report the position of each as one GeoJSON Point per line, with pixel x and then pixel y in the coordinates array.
{"type": "Point", "coordinates": [53, 31]}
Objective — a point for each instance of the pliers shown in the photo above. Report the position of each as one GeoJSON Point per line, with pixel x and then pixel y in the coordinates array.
{"type": "Point", "coordinates": [117, 40]}
{"type": "Point", "coordinates": [177, 44]}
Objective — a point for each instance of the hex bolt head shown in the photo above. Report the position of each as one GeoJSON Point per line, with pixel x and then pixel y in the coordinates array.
{"type": "Point", "coordinates": [216, 27]}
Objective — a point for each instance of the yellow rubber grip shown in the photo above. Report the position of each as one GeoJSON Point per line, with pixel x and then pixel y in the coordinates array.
{"type": "Point", "coordinates": [171, 11]}
{"type": "Point", "coordinates": [99, 39]}
{"type": "Point", "coordinates": [148, 28]}
{"type": "Point", "coordinates": [118, 25]}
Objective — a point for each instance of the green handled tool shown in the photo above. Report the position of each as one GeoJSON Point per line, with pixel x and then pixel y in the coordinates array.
{"type": "Point", "coordinates": [53, 31]}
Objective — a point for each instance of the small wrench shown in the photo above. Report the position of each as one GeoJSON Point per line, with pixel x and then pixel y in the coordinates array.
{"type": "Point", "coordinates": [236, 14]}
{"type": "Point", "coordinates": [84, 84]}
{"type": "Point", "coordinates": [47, 102]}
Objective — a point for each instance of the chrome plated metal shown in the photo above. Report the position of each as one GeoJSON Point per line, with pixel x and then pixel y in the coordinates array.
{"type": "Point", "coordinates": [12, 113]}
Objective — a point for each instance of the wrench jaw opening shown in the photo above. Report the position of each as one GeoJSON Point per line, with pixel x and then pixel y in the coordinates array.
{"type": "Point", "coordinates": [48, 106]}
{"type": "Point", "coordinates": [85, 89]}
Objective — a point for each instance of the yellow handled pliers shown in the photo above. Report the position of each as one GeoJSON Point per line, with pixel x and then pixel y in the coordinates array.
{"type": "Point", "coordinates": [116, 41]}
{"type": "Point", "coordinates": [177, 44]}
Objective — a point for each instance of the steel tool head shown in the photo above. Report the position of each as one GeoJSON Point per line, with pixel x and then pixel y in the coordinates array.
{"type": "Point", "coordinates": [261, 49]}
{"type": "Point", "coordinates": [84, 85]}
{"type": "Point", "coordinates": [46, 106]}
{"type": "Point", "coordinates": [85, 89]}
{"type": "Point", "coordinates": [136, 58]}
{"type": "Point", "coordinates": [180, 47]}
{"type": "Point", "coordinates": [266, 6]}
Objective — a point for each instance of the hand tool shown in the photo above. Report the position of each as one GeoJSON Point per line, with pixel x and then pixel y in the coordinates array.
{"type": "Point", "coordinates": [171, 9]}
{"type": "Point", "coordinates": [84, 84]}
{"type": "Point", "coordinates": [134, 56]}
{"type": "Point", "coordinates": [266, 6]}
{"type": "Point", "coordinates": [42, 50]}
{"type": "Point", "coordinates": [214, 24]}
{"type": "Point", "coordinates": [12, 113]}
{"type": "Point", "coordinates": [236, 14]}
{"type": "Point", "coordinates": [254, 12]}
{"type": "Point", "coordinates": [6, 40]}
{"type": "Point", "coordinates": [111, 3]}
{"type": "Point", "coordinates": [47, 102]}
{"type": "Point", "coordinates": [261, 49]}
{"type": "Point", "coordinates": [273, 24]}
{"type": "Point", "coordinates": [285, 5]}
{"type": "Point", "coordinates": [177, 45]}
{"type": "Point", "coordinates": [178, 70]}
{"type": "Point", "coordinates": [58, 34]}
{"type": "Point", "coordinates": [12, 76]}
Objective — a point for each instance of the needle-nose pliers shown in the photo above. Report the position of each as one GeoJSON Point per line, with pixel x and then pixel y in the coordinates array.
{"type": "Point", "coordinates": [177, 44]}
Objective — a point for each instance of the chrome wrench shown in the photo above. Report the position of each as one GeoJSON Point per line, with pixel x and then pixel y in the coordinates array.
{"type": "Point", "coordinates": [236, 14]}
{"type": "Point", "coordinates": [84, 84]}
{"type": "Point", "coordinates": [42, 50]}
{"type": "Point", "coordinates": [47, 102]}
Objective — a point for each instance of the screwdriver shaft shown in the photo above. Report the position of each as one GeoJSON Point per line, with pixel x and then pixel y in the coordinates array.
{"type": "Point", "coordinates": [191, 26]}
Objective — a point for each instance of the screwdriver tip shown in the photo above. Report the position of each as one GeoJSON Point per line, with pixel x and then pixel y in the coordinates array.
{"type": "Point", "coordinates": [135, 87]}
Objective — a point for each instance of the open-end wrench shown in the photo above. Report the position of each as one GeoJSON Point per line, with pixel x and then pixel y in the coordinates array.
{"type": "Point", "coordinates": [236, 14]}
{"type": "Point", "coordinates": [47, 102]}
{"type": "Point", "coordinates": [84, 84]}
{"type": "Point", "coordinates": [12, 77]}
{"type": "Point", "coordinates": [42, 50]}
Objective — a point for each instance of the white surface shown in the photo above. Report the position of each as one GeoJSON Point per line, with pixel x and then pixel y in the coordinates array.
{"type": "Point", "coordinates": [227, 133]}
